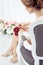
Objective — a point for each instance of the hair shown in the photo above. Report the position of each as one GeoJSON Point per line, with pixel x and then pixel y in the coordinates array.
{"type": "Point", "coordinates": [38, 4]}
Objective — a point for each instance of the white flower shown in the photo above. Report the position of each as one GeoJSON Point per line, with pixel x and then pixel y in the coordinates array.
{"type": "Point", "coordinates": [6, 26]}
{"type": "Point", "coordinates": [9, 31]}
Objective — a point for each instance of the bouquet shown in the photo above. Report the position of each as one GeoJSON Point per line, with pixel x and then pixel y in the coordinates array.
{"type": "Point", "coordinates": [6, 27]}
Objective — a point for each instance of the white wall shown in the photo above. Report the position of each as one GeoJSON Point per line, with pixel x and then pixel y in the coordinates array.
{"type": "Point", "coordinates": [15, 11]}
{"type": "Point", "coordinates": [7, 9]}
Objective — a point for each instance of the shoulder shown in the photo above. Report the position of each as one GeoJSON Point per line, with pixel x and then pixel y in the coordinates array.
{"type": "Point", "coordinates": [40, 18]}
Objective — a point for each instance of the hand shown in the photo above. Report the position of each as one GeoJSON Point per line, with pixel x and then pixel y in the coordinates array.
{"type": "Point", "coordinates": [25, 24]}
{"type": "Point", "coordinates": [29, 41]}
{"type": "Point", "coordinates": [25, 28]}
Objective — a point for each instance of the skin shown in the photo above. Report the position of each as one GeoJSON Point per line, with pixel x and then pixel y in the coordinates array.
{"type": "Point", "coordinates": [14, 43]}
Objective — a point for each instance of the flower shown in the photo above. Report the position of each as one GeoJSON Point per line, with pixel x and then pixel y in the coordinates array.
{"type": "Point", "coordinates": [7, 27]}
{"type": "Point", "coordinates": [9, 30]}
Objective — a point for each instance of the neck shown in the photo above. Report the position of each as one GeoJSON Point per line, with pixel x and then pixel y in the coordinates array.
{"type": "Point", "coordinates": [39, 13]}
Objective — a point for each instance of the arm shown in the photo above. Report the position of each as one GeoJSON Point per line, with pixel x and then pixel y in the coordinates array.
{"type": "Point", "coordinates": [29, 41]}
{"type": "Point", "coordinates": [25, 24]}
{"type": "Point", "coordinates": [25, 28]}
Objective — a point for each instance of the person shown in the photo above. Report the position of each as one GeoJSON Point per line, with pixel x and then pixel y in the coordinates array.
{"type": "Point", "coordinates": [12, 50]}
{"type": "Point", "coordinates": [36, 7]}
{"type": "Point", "coordinates": [33, 6]}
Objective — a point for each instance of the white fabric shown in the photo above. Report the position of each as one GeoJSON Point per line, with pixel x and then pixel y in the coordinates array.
{"type": "Point", "coordinates": [36, 57]}
{"type": "Point", "coordinates": [28, 35]}
{"type": "Point", "coordinates": [33, 47]}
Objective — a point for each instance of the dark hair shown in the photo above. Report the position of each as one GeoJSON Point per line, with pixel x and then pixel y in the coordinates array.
{"type": "Point", "coordinates": [38, 4]}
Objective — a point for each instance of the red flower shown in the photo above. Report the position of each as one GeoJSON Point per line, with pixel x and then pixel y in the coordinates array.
{"type": "Point", "coordinates": [16, 30]}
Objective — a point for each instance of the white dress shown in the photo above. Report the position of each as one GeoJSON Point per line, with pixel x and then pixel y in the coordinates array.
{"type": "Point", "coordinates": [26, 34]}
